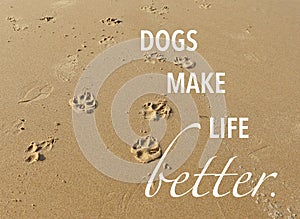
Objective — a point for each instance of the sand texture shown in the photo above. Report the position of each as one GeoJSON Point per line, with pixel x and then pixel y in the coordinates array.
{"type": "Point", "coordinates": [45, 47]}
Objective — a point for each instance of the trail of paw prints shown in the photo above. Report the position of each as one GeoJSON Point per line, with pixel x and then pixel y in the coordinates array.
{"type": "Point", "coordinates": [36, 91]}
{"type": "Point", "coordinates": [182, 62]}
{"type": "Point", "coordinates": [274, 208]}
{"type": "Point", "coordinates": [15, 24]}
{"type": "Point", "coordinates": [111, 21]}
{"type": "Point", "coordinates": [35, 149]}
{"type": "Point", "coordinates": [147, 148]}
{"type": "Point", "coordinates": [109, 40]}
{"type": "Point", "coordinates": [67, 70]}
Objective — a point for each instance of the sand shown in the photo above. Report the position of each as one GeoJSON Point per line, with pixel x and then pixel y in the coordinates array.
{"type": "Point", "coordinates": [46, 45]}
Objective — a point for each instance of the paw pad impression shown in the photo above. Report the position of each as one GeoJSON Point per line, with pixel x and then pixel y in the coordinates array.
{"type": "Point", "coordinates": [184, 62]}
{"type": "Point", "coordinates": [156, 109]}
{"type": "Point", "coordinates": [146, 149]}
{"type": "Point", "coordinates": [85, 102]}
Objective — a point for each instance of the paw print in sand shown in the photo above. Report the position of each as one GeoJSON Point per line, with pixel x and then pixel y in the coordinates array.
{"type": "Point", "coordinates": [107, 41]}
{"type": "Point", "coordinates": [111, 21]}
{"type": "Point", "coordinates": [35, 148]}
{"type": "Point", "coordinates": [146, 149]}
{"type": "Point", "coordinates": [184, 62]}
{"type": "Point", "coordinates": [153, 57]}
{"type": "Point", "coordinates": [85, 102]}
{"type": "Point", "coordinates": [156, 109]}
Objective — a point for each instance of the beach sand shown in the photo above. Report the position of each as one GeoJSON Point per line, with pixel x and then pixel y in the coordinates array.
{"type": "Point", "coordinates": [45, 46]}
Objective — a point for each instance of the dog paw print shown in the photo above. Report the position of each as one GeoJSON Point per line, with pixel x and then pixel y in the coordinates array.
{"type": "Point", "coordinates": [146, 149]}
{"type": "Point", "coordinates": [152, 57]}
{"type": "Point", "coordinates": [184, 62]}
{"type": "Point", "coordinates": [111, 21]}
{"type": "Point", "coordinates": [15, 25]}
{"type": "Point", "coordinates": [85, 102]}
{"type": "Point", "coordinates": [153, 10]}
{"type": "Point", "coordinates": [107, 40]}
{"type": "Point", "coordinates": [156, 109]}
{"type": "Point", "coordinates": [35, 148]}
{"type": "Point", "coordinates": [47, 18]}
